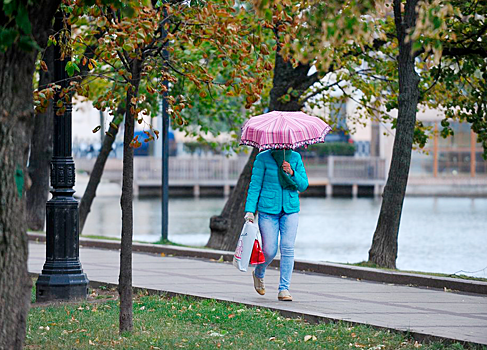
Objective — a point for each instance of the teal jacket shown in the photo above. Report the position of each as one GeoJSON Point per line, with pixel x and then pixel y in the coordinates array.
{"type": "Point", "coordinates": [266, 193]}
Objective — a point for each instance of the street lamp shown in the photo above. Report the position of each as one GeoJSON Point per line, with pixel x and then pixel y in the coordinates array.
{"type": "Point", "coordinates": [165, 146]}
{"type": "Point", "coordinates": [62, 276]}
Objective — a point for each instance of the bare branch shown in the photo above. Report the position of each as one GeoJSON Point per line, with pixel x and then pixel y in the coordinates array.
{"type": "Point", "coordinates": [319, 91]}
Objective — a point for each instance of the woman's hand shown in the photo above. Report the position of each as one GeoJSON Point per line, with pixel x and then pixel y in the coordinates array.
{"type": "Point", "coordinates": [287, 168]}
{"type": "Point", "coordinates": [249, 217]}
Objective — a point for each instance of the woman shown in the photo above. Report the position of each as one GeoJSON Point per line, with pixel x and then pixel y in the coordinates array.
{"type": "Point", "coordinates": [277, 176]}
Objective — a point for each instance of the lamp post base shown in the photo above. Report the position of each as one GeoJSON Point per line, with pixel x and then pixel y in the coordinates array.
{"type": "Point", "coordinates": [61, 287]}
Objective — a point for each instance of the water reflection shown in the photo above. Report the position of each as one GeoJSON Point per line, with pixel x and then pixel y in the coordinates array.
{"type": "Point", "coordinates": [437, 234]}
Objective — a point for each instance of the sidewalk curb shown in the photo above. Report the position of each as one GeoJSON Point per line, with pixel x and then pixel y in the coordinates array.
{"type": "Point", "coordinates": [313, 319]}
{"type": "Point", "coordinates": [356, 272]}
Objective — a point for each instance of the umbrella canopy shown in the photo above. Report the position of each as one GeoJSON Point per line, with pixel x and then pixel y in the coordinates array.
{"type": "Point", "coordinates": [283, 130]}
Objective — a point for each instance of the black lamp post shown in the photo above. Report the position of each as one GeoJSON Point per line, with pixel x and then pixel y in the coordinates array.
{"type": "Point", "coordinates": [165, 148]}
{"type": "Point", "coordinates": [62, 275]}
{"type": "Point", "coordinates": [165, 166]}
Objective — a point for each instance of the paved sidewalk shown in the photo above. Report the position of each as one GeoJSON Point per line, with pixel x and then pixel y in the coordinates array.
{"type": "Point", "coordinates": [430, 312]}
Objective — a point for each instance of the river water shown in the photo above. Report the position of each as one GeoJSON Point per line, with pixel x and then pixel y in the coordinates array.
{"type": "Point", "coordinates": [447, 235]}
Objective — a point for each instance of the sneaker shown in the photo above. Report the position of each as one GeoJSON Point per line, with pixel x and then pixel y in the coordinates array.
{"type": "Point", "coordinates": [258, 284]}
{"type": "Point", "coordinates": [284, 295]}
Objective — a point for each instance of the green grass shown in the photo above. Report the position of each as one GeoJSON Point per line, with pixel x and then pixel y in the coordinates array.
{"type": "Point", "coordinates": [163, 323]}
{"type": "Point", "coordinates": [465, 277]}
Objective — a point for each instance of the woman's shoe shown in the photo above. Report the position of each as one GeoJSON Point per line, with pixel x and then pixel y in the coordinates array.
{"type": "Point", "coordinates": [284, 295]}
{"type": "Point", "coordinates": [258, 284]}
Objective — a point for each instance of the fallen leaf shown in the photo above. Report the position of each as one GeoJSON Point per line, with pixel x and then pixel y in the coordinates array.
{"type": "Point", "coordinates": [272, 338]}
{"type": "Point", "coordinates": [215, 334]}
{"type": "Point", "coordinates": [309, 337]}
{"type": "Point", "coordinates": [142, 308]}
{"type": "Point", "coordinates": [231, 316]}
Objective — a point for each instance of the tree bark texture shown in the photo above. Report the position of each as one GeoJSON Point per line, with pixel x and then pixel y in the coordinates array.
{"type": "Point", "coordinates": [225, 228]}
{"type": "Point", "coordinates": [16, 124]}
{"type": "Point", "coordinates": [41, 154]}
{"type": "Point", "coordinates": [126, 202]}
{"type": "Point", "coordinates": [383, 251]}
{"type": "Point", "coordinates": [97, 172]}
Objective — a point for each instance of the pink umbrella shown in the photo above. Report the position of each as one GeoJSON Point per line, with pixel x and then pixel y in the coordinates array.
{"type": "Point", "coordinates": [283, 130]}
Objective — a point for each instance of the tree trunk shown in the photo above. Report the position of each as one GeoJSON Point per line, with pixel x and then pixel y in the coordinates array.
{"type": "Point", "coordinates": [97, 171]}
{"type": "Point", "coordinates": [15, 132]}
{"type": "Point", "coordinates": [41, 154]}
{"type": "Point", "coordinates": [16, 123]}
{"type": "Point", "coordinates": [226, 227]}
{"type": "Point", "coordinates": [384, 245]}
{"type": "Point", "coordinates": [125, 278]}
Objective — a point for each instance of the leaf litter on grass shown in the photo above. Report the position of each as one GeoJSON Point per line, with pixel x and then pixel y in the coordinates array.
{"type": "Point", "coordinates": [183, 322]}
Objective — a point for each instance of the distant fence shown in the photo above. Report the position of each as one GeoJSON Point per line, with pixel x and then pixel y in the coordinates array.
{"type": "Point", "coordinates": [334, 172]}
{"type": "Point", "coordinates": [219, 170]}
{"type": "Point", "coordinates": [213, 170]}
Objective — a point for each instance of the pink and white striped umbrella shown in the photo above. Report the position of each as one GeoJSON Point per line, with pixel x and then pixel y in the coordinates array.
{"type": "Point", "coordinates": [283, 130]}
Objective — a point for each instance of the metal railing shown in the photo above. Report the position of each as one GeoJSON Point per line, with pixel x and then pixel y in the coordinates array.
{"type": "Point", "coordinates": [220, 170]}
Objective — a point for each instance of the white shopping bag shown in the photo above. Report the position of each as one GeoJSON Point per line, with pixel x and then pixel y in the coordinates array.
{"type": "Point", "coordinates": [245, 245]}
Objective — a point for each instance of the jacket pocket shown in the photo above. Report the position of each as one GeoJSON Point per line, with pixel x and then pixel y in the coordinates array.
{"type": "Point", "coordinates": [293, 199]}
{"type": "Point", "coordinates": [268, 199]}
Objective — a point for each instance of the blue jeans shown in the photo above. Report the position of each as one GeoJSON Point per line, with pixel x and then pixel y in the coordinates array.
{"type": "Point", "coordinates": [270, 226]}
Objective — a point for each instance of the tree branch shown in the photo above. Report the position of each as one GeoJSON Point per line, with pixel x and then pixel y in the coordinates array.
{"type": "Point", "coordinates": [318, 91]}
{"type": "Point", "coordinates": [465, 51]}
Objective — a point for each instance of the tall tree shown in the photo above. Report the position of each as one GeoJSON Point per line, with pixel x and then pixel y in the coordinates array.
{"type": "Point", "coordinates": [384, 245]}
{"type": "Point", "coordinates": [126, 202]}
{"type": "Point", "coordinates": [24, 27]}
